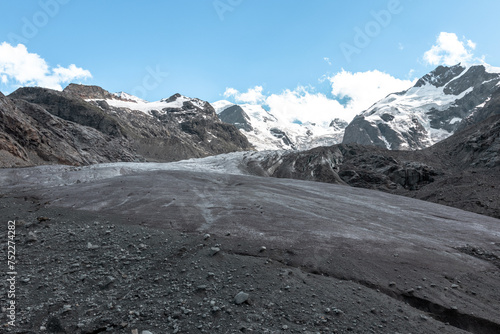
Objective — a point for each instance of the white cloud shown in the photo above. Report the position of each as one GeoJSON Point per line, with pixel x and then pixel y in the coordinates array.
{"type": "Point", "coordinates": [231, 92]}
{"type": "Point", "coordinates": [449, 50]}
{"type": "Point", "coordinates": [304, 106]}
{"type": "Point", "coordinates": [19, 67]}
{"type": "Point", "coordinates": [328, 61]}
{"type": "Point", "coordinates": [253, 95]}
{"type": "Point", "coordinates": [361, 89]}
{"type": "Point", "coordinates": [365, 88]}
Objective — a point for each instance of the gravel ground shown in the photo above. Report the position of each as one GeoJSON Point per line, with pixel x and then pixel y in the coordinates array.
{"type": "Point", "coordinates": [82, 272]}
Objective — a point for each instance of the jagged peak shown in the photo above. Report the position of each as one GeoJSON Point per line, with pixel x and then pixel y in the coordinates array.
{"type": "Point", "coordinates": [338, 123]}
{"type": "Point", "coordinates": [128, 97]}
{"type": "Point", "coordinates": [441, 75]}
{"type": "Point", "coordinates": [173, 98]}
{"type": "Point", "coordinates": [221, 105]}
{"type": "Point", "coordinates": [32, 93]}
{"type": "Point", "coordinates": [87, 92]}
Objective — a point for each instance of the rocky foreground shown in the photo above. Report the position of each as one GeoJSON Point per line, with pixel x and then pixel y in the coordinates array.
{"type": "Point", "coordinates": [85, 273]}
{"type": "Point", "coordinates": [176, 251]}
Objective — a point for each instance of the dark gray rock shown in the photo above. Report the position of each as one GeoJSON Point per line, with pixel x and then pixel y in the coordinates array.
{"type": "Point", "coordinates": [71, 108]}
{"type": "Point", "coordinates": [173, 98]}
{"type": "Point", "coordinates": [362, 132]}
{"type": "Point", "coordinates": [440, 76]}
{"type": "Point", "coordinates": [88, 92]}
{"type": "Point", "coordinates": [476, 146]}
{"type": "Point", "coordinates": [491, 108]}
{"type": "Point", "coordinates": [241, 297]}
{"type": "Point", "coordinates": [236, 115]}
{"type": "Point", "coordinates": [282, 135]}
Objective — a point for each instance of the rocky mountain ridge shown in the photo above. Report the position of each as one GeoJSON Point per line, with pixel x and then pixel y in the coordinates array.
{"type": "Point", "coordinates": [81, 125]}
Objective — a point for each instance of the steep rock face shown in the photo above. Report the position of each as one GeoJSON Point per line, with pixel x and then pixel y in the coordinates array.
{"type": "Point", "coordinates": [71, 108]}
{"type": "Point", "coordinates": [351, 164]}
{"type": "Point", "coordinates": [318, 164]}
{"type": "Point", "coordinates": [476, 146]}
{"type": "Point", "coordinates": [365, 167]}
{"type": "Point", "coordinates": [430, 111]}
{"type": "Point", "coordinates": [30, 135]}
{"type": "Point", "coordinates": [236, 115]}
{"type": "Point", "coordinates": [490, 108]}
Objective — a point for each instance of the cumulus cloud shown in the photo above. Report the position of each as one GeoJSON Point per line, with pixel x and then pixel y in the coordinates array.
{"type": "Point", "coordinates": [360, 90]}
{"type": "Point", "coordinates": [450, 50]}
{"type": "Point", "coordinates": [22, 68]}
{"type": "Point", "coordinates": [363, 89]}
{"type": "Point", "coordinates": [301, 105]}
{"type": "Point", "coordinates": [252, 95]}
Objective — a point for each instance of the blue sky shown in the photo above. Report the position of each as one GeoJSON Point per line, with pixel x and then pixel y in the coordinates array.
{"type": "Point", "coordinates": [265, 48]}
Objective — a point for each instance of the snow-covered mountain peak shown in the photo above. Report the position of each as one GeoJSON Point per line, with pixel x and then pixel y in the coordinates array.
{"type": "Point", "coordinates": [268, 132]}
{"type": "Point", "coordinates": [221, 105]}
{"type": "Point", "coordinates": [338, 124]}
{"type": "Point", "coordinates": [176, 103]}
{"type": "Point", "coordinates": [128, 97]}
{"type": "Point", "coordinates": [428, 112]}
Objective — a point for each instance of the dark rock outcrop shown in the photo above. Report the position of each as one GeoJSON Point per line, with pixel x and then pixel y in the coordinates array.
{"type": "Point", "coordinates": [477, 146]}
{"type": "Point", "coordinates": [89, 92]}
{"type": "Point", "coordinates": [236, 115]}
{"type": "Point", "coordinates": [71, 108]}
{"type": "Point", "coordinates": [30, 135]}
{"type": "Point", "coordinates": [318, 164]}
{"type": "Point", "coordinates": [440, 76]}
{"type": "Point", "coordinates": [491, 108]}
{"type": "Point", "coordinates": [376, 169]}
{"type": "Point", "coordinates": [283, 136]}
